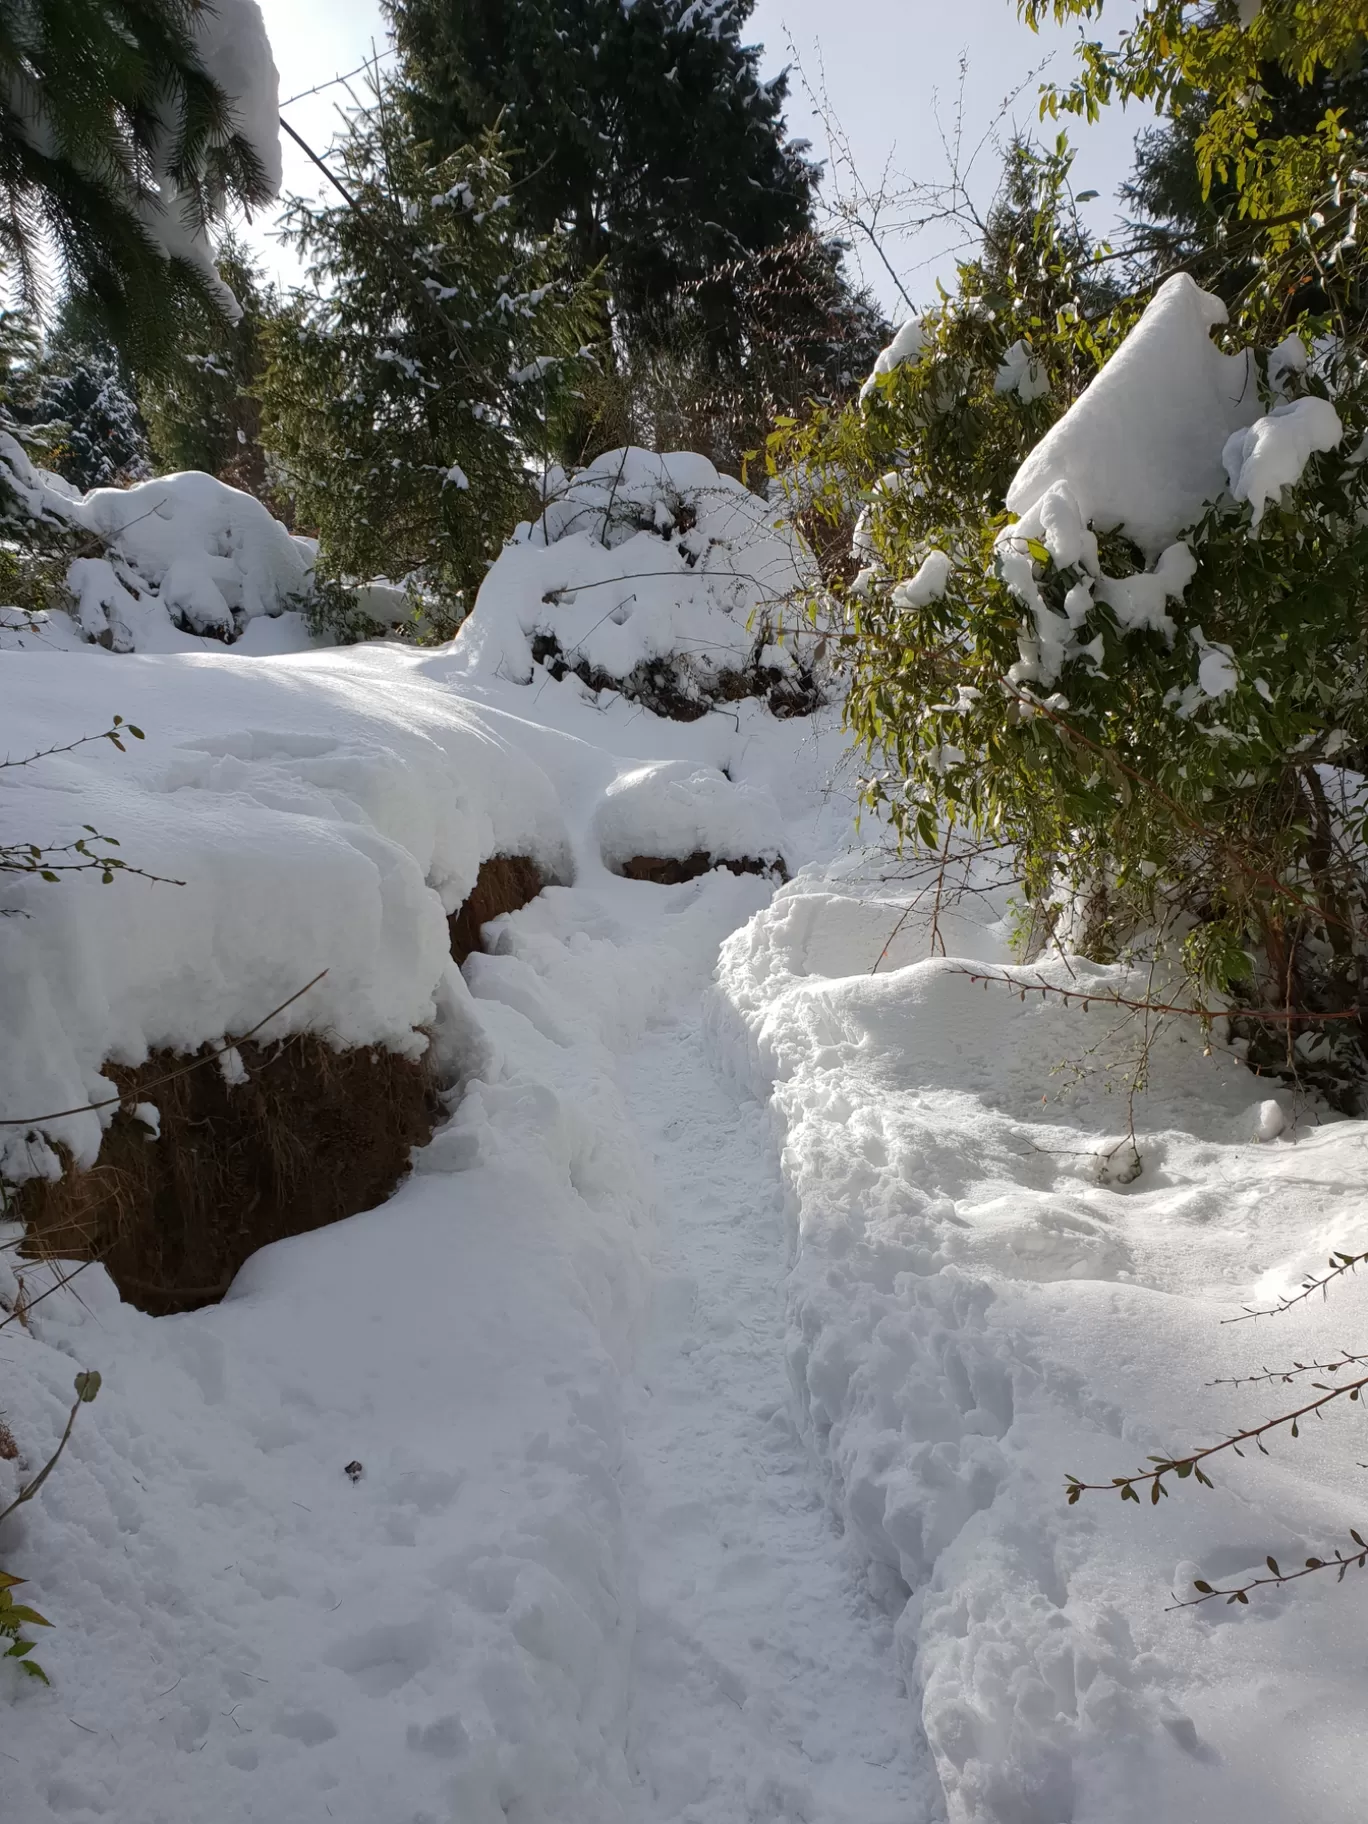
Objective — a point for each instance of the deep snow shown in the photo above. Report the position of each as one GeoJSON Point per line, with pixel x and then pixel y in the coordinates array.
{"type": "Point", "coordinates": [716, 1373]}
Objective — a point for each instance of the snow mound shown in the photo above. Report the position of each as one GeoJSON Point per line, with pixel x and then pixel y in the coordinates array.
{"type": "Point", "coordinates": [675, 809]}
{"type": "Point", "coordinates": [654, 576]}
{"type": "Point", "coordinates": [179, 557]}
{"type": "Point", "coordinates": [321, 812]}
{"type": "Point", "coordinates": [994, 1287]}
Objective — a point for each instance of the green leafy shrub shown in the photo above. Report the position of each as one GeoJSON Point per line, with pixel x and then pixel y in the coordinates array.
{"type": "Point", "coordinates": [1221, 820]}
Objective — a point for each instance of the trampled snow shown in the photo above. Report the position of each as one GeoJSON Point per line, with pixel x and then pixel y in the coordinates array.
{"type": "Point", "coordinates": [714, 1377]}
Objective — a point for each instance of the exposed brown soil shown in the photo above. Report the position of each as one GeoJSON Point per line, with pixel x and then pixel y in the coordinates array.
{"type": "Point", "coordinates": [505, 883]}
{"type": "Point", "coordinates": [311, 1136]}
{"type": "Point", "coordinates": [673, 870]}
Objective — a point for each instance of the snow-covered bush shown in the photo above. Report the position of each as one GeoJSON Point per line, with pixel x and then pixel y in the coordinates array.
{"type": "Point", "coordinates": [657, 577]}
{"type": "Point", "coordinates": [145, 568]}
{"type": "Point", "coordinates": [1134, 654]}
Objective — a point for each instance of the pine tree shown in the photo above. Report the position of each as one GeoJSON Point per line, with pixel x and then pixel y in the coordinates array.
{"type": "Point", "coordinates": [114, 139]}
{"type": "Point", "coordinates": [201, 409]}
{"type": "Point", "coordinates": [79, 408]}
{"type": "Point", "coordinates": [646, 132]}
{"type": "Point", "coordinates": [410, 395]}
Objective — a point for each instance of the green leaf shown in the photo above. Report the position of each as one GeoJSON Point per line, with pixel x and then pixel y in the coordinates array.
{"type": "Point", "coordinates": [88, 1384]}
{"type": "Point", "coordinates": [19, 1613]}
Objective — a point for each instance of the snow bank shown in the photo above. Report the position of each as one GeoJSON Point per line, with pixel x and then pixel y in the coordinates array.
{"type": "Point", "coordinates": [242, 1628]}
{"type": "Point", "coordinates": [179, 557]}
{"type": "Point", "coordinates": [674, 809]}
{"type": "Point", "coordinates": [324, 811]}
{"type": "Point", "coordinates": [653, 575]}
{"type": "Point", "coordinates": [985, 1297]}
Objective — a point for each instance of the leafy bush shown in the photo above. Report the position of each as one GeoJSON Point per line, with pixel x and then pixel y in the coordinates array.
{"type": "Point", "coordinates": [1168, 770]}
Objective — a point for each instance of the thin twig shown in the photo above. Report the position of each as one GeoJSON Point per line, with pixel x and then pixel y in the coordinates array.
{"type": "Point", "coordinates": [171, 1075]}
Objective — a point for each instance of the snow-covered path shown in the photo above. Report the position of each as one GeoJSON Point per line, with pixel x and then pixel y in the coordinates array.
{"type": "Point", "coordinates": [764, 1682]}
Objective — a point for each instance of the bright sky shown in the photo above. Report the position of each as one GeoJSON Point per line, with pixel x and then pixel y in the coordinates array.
{"type": "Point", "coordinates": [892, 76]}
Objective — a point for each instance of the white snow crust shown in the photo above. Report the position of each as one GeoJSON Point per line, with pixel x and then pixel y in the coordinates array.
{"type": "Point", "coordinates": [1141, 448]}
{"type": "Point", "coordinates": [1168, 426]}
{"type": "Point", "coordinates": [1271, 455]}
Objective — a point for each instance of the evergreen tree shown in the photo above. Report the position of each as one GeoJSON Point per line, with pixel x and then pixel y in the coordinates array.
{"type": "Point", "coordinates": [114, 139]}
{"type": "Point", "coordinates": [408, 395]}
{"type": "Point", "coordinates": [201, 409]}
{"type": "Point", "coordinates": [646, 133]}
{"type": "Point", "coordinates": [79, 408]}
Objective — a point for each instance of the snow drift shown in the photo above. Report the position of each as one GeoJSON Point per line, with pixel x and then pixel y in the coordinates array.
{"type": "Point", "coordinates": [986, 1296]}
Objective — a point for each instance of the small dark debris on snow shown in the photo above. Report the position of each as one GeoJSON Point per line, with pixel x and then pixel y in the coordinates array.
{"type": "Point", "coordinates": [355, 1470]}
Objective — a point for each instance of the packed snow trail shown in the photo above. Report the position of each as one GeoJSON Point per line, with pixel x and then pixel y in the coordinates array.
{"type": "Point", "coordinates": [764, 1682]}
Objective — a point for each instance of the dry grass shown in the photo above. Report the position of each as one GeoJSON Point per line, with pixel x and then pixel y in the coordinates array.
{"type": "Point", "coordinates": [313, 1135]}
{"type": "Point", "coordinates": [505, 883]}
